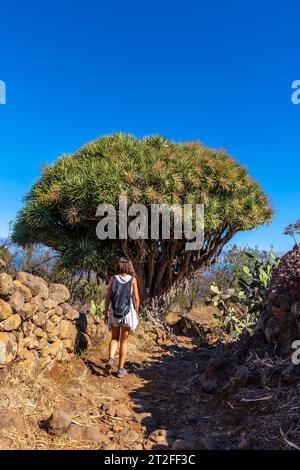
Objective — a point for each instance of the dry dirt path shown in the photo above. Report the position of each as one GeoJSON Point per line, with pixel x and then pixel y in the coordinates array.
{"type": "Point", "coordinates": [158, 405]}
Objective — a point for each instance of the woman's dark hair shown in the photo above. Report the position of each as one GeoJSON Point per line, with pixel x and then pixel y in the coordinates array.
{"type": "Point", "coordinates": [125, 266]}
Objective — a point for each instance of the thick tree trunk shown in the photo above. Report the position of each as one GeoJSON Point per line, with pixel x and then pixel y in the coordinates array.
{"type": "Point", "coordinates": [162, 264]}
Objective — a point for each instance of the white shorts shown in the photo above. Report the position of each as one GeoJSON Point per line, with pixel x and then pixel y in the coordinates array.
{"type": "Point", "coordinates": [130, 321]}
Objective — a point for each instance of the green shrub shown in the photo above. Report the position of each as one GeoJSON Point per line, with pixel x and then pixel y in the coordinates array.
{"type": "Point", "coordinates": [239, 308]}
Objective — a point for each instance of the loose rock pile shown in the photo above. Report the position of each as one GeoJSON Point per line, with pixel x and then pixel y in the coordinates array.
{"type": "Point", "coordinates": [281, 317]}
{"type": "Point", "coordinates": [37, 325]}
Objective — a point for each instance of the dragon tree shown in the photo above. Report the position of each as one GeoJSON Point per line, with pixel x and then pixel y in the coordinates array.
{"type": "Point", "coordinates": [60, 210]}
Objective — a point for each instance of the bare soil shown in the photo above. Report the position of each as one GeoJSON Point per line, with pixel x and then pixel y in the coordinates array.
{"type": "Point", "coordinates": [162, 399]}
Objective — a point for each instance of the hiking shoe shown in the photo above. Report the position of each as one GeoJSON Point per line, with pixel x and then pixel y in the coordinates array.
{"type": "Point", "coordinates": [121, 373]}
{"type": "Point", "coordinates": [108, 367]}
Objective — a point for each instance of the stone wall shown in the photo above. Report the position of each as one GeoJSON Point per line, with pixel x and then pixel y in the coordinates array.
{"type": "Point", "coordinates": [37, 325]}
{"type": "Point", "coordinates": [281, 315]}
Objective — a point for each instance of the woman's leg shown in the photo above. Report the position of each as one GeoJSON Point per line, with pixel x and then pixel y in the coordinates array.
{"type": "Point", "coordinates": [123, 346]}
{"type": "Point", "coordinates": [113, 345]}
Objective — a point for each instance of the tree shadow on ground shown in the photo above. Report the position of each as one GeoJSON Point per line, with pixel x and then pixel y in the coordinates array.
{"type": "Point", "coordinates": [191, 393]}
{"type": "Point", "coordinates": [171, 394]}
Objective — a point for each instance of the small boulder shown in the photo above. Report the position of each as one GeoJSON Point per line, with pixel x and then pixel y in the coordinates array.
{"type": "Point", "coordinates": [50, 304]}
{"type": "Point", "coordinates": [36, 284]}
{"type": "Point", "coordinates": [72, 315]}
{"type": "Point", "coordinates": [8, 347]}
{"type": "Point", "coordinates": [122, 411]}
{"type": "Point", "coordinates": [31, 342]}
{"type": "Point", "coordinates": [51, 312]}
{"type": "Point", "coordinates": [40, 318]}
{"type": "Point", "coordinates": [75, 432]}
{"type": "Point", "coordinates": [29, 366]}
{"type": "Point", "coordinates": [51, 329]}
{"type": "Point", "coordinates": [38, 302]}
{"type": "Point", "coordinates": [28, 310]}
{"type": "Point", "coordinates": [118, 410]}
{"type": "Point", "coordinates": [58, 423]}
{"type": "Point", "coordinates": [25, 291]}
{"type": "Point", "coordinates": [184, 444]}
{"type": "Point", "coordinates": [69, 313]}
{"type": "Point", "coordinates": [39, 333]}
{"type": "Point", "coordinates": [58, 311]}
{"type": "Point", "coordinates": [7, 286]}
{"type": "Point", "coordinates": [162, 437]}
{"type": "Point", "coordinates": [5, 310]}
{"type": "Point", "coordinates": [43, 347]}
{"type": "Point", "coordinates": [11, 323]}
{"type": "Point", "coordinates": [64, 329]}
{"type": "Point", "coordinates": [56, 319]}
{"type": "Point", "coordinates": [59, 293]}
{"type": "Point", "coordinates": [27, 327]}
{"type": "Point", "coordinates": [17, 301]}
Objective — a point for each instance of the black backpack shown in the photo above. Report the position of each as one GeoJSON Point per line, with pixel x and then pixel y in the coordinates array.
{"type": "Point", "coordinates": [121, 297]}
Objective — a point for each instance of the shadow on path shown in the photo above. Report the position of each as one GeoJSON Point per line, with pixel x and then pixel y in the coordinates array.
{"type": "Point", "coordinates": [171, 392]}
{"type": "Point", "coordinates": [190, 393]}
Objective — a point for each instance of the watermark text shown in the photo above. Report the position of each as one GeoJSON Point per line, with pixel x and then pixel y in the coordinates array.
{"type": "Point", "coordinates": [296, 92]}
{"type": "Point", "coordinates": [159, 222]}
{"type": "Point", "coordinates": [2, 92]}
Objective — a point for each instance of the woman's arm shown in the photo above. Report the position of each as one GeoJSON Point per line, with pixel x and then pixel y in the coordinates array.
{"type": "Point", "coordinates": [107, 301]}
{"type": "Point", "coordinates": [136, 296]}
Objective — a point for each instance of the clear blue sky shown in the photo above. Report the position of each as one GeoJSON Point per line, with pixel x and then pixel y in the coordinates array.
{"type": "Point", "coordinates": [219, 72]}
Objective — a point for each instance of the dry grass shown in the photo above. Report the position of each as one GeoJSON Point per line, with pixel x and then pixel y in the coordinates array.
{"type": "Point", "coordinates": [71, 387]}
{"type": "Point", "coordinates": [270, 416]}
{"type": "Point", "coordinates": [203, 313]}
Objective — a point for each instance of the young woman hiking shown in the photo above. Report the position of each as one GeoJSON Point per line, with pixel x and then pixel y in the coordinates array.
{"type": "Point", "coordinates": [121, 307]}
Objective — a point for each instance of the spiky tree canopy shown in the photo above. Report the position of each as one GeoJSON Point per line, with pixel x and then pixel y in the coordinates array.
{"type": "Point", "coordinates": [60, 210]}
